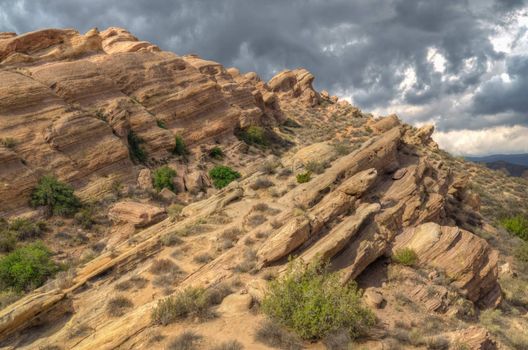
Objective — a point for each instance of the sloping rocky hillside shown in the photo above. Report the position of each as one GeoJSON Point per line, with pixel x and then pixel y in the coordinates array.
{"type": "Point", "coordinates": [317, 179]}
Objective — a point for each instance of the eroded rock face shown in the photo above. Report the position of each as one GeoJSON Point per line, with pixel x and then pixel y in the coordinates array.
{"type": "Point", "coordinates": [138, 214]}
{"type": "Point", "coordinates": [98, 91]}
{"type": "Point", "coordinates": [465, 258]}
{"type": "Point", "coordinates": [71, 104]}
{"type": "Point", "coordinates": [295, 84]}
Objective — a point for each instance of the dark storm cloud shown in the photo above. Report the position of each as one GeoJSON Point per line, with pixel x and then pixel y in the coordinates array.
{"type": "Point", "coordinates": [360, 48]}
{"type": "Point", "coordinates": [506, 95]}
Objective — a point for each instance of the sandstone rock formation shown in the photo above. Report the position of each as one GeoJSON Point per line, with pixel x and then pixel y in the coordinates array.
{"type": "Point", "coordinates": [100, 91]}
{"type": "Point", "coordinates": [466, 258]}
{"type": "Point", "coordinates": [84, 106]}
{"type": "Point", "coordinates": [138, 214]}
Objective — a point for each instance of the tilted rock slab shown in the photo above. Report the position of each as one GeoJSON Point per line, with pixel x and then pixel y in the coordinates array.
{"type": "Point", "coordinates": [299, 229]}
{"type": "Point", "coordinates": [465, 258]}
{"type": "Point", "coordinates": [380, 154]}
{"type": "Point", "coordinates": [338, 238]}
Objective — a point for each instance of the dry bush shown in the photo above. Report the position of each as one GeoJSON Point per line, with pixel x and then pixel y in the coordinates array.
{"type": "Point", "coordinates": [229, 345]}
{"type": "Point", "coordinates": [136, 281]}
{"type": "Point", "coordinates": [188, 340]}
{"type": "Point", "coordinates": [118, 305]}
{"type": "Point", "coordinates": [161, 266]}
{"type": "Point", "coordinates": [255, 220]}
{"type": "Point", "coordinates": [273, 335]}
{"type": "Point", "coordinates": [261, 183]}
{"type": "Point", "coordinates": [202, 258]}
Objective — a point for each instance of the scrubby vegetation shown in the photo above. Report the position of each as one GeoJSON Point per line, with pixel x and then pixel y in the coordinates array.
{"type": "Point", "coordinates": [315, 167]}
{"type": "Point", "coordinates": [26, 267]}
{"type": "Point", "coordinates": [223, 175]}
{"type": "Point", "coordinates": [304, 177]}
{"type": "Point", "coordinates": [517, 225]}
{"type": "Point", "coordinates": [229, 345]}
{"type": "Point", "coordinates": [162, 178]}
{"type": "Point", "coordinates": [216, 153]}
{"type": "Point", "coordinates": [118, 305]}
{"type": "Point", "coordinates": [191, 302]}
{"type": "Point", "coordinates": [8, 142]}
{"type": "Point", "coordinates": [405, 256]}
{"type": "Point", "coordinates": [85, 217]}
{"type": "Point", "coordinates": [180, 148]}
{"type": "Point", "coordinates": [18, 230]}
{"type": "Point", "coordinates": [253, 135]}
{"type": "Point", "coordinates": [161, 124]}
{"type": "Point", "coordinates": [56, 196]}
{"type": "Point", "coordinates": [275, 336]}
{"type": "Point", "coordinates": [188, 340]}
{"type": "Point", "coordinates": [137, 153]}
{"type": "Point", "coordinates": [312, 302]}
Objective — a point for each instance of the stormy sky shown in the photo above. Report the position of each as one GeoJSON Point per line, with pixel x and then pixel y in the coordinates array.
{"type": "Point", "coordinates": [459, 64]}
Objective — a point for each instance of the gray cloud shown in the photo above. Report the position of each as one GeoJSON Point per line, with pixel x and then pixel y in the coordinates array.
{"type": "Point", "coordinates": [359, 48]}
{"type": "Point", "coordinates": [506, 95]}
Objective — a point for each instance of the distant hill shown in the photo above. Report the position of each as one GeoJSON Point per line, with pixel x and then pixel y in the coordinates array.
{"type": "Point", "coordinates": [519, 159]}
{"type": "Point", "coordinates": [514, 164]}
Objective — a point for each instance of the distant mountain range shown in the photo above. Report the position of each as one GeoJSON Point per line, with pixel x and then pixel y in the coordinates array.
{"type": "Point", "coordinates": [514, 164]}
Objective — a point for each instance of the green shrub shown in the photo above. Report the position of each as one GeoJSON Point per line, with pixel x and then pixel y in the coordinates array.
{"type": "Point", "coordinates": [84, 218]}
{"type": "Point", "coordinates": [304, 177]}
{"type": "Point", "coordinates": [223, 175]}
{"type": "Point", "coordinates": [179, 148]}
{"type": "Point", "coordinates": [253, 135]}
{"type": "Point", "coordinates": [8, 241]}
{"type": "Point", "coordinates": [162, 178]}
{"type": "Point", "coordinates": [191, 302]}
{"type": "Point", "coordinates": [405, 256]}
{"type": "Point", "coordinates": [56, 196]}
{"type": "Point", "coordinates": [313, 302]}
{"type": "Point", "coordinates": [17, 230]}
{"type": "Point", "coordinates": [26, 268]}
{"type": "Point", "coordinates": [137, 153]}
{"type": "Point", "coordinates": [8, 142]}
{"type": "Point", "coordinates": [161, 124]}
{"type": "Point", "coordinates": [517, 225]}
{"type": "Point", "coordinates": [291, 123]}
{"type": "Point", "coordinates": [216, 152]}
{"type": "Point", "coordinates": [27, 229]}
{"type": "Point", "coordinates": [521, 252]}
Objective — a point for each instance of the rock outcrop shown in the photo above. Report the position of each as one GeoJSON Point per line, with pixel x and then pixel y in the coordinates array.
{"type": "Point", "coordinates": [467, 259]}
{"type": "Point", "coordinates": [108, 90]}
{"type": "Point", "coordinates": [138, 214]}
{"type": "Point", "coordinates": [102, 110]}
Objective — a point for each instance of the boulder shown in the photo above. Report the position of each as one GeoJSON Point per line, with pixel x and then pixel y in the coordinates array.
{"type": "Point", "coordinates": [138, 214]}
{"type": "Point", "coordinates": [144, 180]}
{"type": "Point", "coordinates": [167, 195]}
{"type": "Point", "coordinates": [196, 181]}
{"type": "Point", "coordinates": [235, 304]}
{"type": "Point", "coordinates": [373, 298]}
{"type": "Point", "coordinates": [477, 338]}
